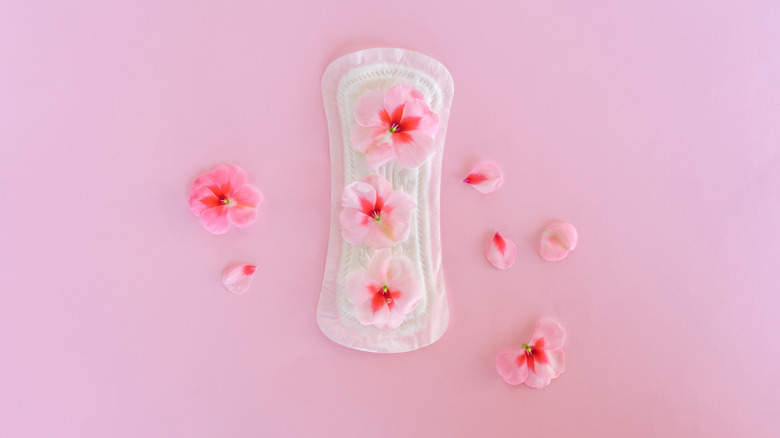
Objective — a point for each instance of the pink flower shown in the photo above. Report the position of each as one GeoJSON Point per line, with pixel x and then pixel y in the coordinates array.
{"type": "Point", "coordinates": [222, 197]}
{"type": "Point", "coordinates": [501, 252]}
{"type": "Point", "coordinates": [485, 177]}
{"type": "Point", "coordinates": [540, 360]}
{"type": "Point", "coordinates": [557, 241]}
{"type": "Point", "coordinates": [386, 293]}
{"type": "Point", "coordinates": [238, 278]}
{"type": "Point", "coordinates": [374, 214]}
{"type": "Point", "coordinates": [394, 124]}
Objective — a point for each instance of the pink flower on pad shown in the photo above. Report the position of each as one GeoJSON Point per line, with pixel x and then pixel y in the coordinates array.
{"type": "Point", "coordinates": [385, 293]}
{"type": "Point", "coordinates": [222, 198]}
{"type": "Point", "coordinates": [396, 123]}
{"type": "Point", "coordinates": [374, 214]}
{"type": "Point", "coordinates": [540, 360]}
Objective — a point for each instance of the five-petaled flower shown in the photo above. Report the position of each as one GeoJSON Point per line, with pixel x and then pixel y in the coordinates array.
{"type": "Point", "coordinates": [385, 293]}
{"type": "Point", "coordinates": [222, 197]}
{"type": "Point", "coordinates": [397, 123]}
{"type": "Point", "coordinates": [374, 214]}
{"type": "Point", "coordinates": [540, 360]}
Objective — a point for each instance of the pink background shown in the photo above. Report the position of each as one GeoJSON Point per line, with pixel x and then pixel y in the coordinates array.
{"type": "Point", "coordinates": [654, 128]}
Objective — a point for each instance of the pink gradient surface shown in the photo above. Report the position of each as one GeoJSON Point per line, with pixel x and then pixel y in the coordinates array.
{"type": "Point", "coordinates": [653, 128]}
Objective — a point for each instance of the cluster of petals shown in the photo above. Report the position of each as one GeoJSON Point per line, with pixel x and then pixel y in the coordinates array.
{"type": "Point", "coordinates": [397, 123]}
{"type": "Point", "coordinates": [485, 177]}
{"type": "Point", "coordinates": [557, 241]}
{"type": "Point", "coordinates": [374, 214]}
{"type": "Point", "coordinates": [539, 361]}
{"type": "Point", "coordinates": [222, 198]}
{"type": "Point", "coordinates": [386, 292]}
{"type": "Point", "coordinates": [501, 252]}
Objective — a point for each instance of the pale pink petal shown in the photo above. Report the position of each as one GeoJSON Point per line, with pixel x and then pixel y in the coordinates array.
{"type": "Point", "coordinates": [215, 220]}
{"type": "Point", "coordinates": [378, 318]}
{"type": "Point", "coordinates": [382, 187]}
{"type": "Point", "coordinates": [396, 215]}
{"type": "Point", "coordinates": [375, 143]}
{"type": "Point", "coordinates": [368, 108]}
{"type": "Point", "coordinates": [246, 196]}
{"type": "Point", "coordinates": [358, 196]}
{"type": "Point", "coordinates": [238, 278]}
{"type": "Point", "coordinates": [228, 177]}
{"type": "Point", "coordinates": [485, 177]}
{"type": "Point", "coordinates": [378, 155]}
{"type": "Point", "coordinates": [428, 122]}
{"type": "Point", "coordinates": [381, 234]}
{"type": "Point", "coordinates": [394, 319]}
{"type": "Point", "coordinates": [557, 240]}
{"type": "Point", "coordinates": [242, 209]}
{"type": "Point", "coordinates": [399, 95]}
{"type": "Point", "coordinates": [553, 366]}
{"type": "Point", "coordinates": [365, 138]}
{"type": "Point", "coordinates": [548, 335]}
{"type": "Point", "coordinates": [536, 381]}
{"type": "Point", "coordinates": [379, 265]}
{"type": "Point", "coordinates": [414, 153]}
{"type": "Point", "coordinates": [242, 216]}
{"type": "Point", "coordinates": [401, 277]}
{"type": "Point", "coordinates": [355, 226]}
{"type": "Point", "coordinates": [361, 288]}
{"type": "Point", "coordinates": [201, 198]}
{"type": "Point", "coordinates": [512, 367]}
{"type": "Point", "coordinates": [501, 252]}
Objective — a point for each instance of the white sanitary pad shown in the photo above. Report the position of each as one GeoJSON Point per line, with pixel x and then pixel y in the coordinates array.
{"type": "Point", "coordinates": [343, 82]}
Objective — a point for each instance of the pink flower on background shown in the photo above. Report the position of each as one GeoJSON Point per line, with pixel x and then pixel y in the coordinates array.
{"type": "Point", "coordinates": [501, 252]}
{"type": "Point", "coordinates": [385, 293]}
{"type": "Point", "coordinates": [540, 360]}
{"type": "Point", "coordinates": [374, 214]}
{"type": "Point", "coordinates": [396, 123]}
{"type": "Point", "coordinates": [485, 177]}
{"type": "Point", "coordinates": [238, 278]}
{"type": "Point", "coordinates": [222, 197]}
{"type": "Point", "coordinates": [557, 241]}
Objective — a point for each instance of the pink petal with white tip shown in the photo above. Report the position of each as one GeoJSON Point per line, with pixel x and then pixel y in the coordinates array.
{"type": "Point", "coordinates": [485, 177]}
{"type": "Point", "coordinates": [501, 252]}
{"type": "Point", "coordinates": [557, 241]}
{"type": "Point", "coordinates": [238, 278]}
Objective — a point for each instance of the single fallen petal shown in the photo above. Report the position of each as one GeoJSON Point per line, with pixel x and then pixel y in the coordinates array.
{"type": "Point", "coordinates": [557, 240]}
{"type": "Point", "coordinates": [485, 177]}
{"type": "Point", "coordinates": [237, 278]}
{"type": "Point", "coordinates": [501, 252]}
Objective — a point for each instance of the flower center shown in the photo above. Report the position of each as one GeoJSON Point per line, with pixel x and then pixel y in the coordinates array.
{"type": "Point", "coordinates": [375, 214]}
{"type": "Point", "coordinates": [385, 292]}
{"type": "Point", "coordinates": [528, 348]}
{"type": "Point", "coordinates": [223, 200]}
{"type": "Point", "coordinates": [395, 127]}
